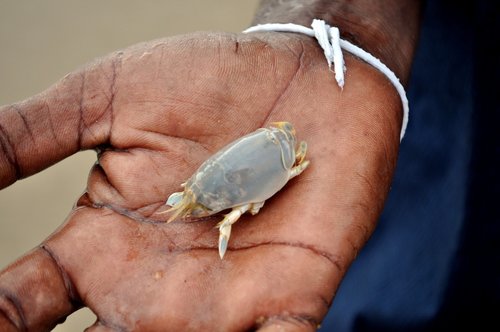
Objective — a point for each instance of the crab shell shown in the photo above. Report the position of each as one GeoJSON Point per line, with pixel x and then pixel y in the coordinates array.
{"type": "Point", "coordinates": [251, 169]}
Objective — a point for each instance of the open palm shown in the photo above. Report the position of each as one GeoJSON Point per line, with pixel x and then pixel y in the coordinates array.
{"type": "Point", "coordinates": [155, 112]}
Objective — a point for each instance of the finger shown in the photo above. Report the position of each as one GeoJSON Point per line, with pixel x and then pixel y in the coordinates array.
{"type": "Point", "coordinates": [288, 323]}
{"type": "Point", "coordinates": [6, 325]}
{"type": "Point", "coordinates": [72, 115]}
{"type": "Point", "coordinates": [34, 294]}
{"type": "Point", "coordinates": [100, 327]}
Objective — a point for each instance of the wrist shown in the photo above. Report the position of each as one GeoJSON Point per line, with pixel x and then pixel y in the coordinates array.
{"type": "Point", "coordinates": [388, 30]}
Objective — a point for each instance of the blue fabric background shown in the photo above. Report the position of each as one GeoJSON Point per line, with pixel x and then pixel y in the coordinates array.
{"type": "Point", "coordinates": [433, 262]}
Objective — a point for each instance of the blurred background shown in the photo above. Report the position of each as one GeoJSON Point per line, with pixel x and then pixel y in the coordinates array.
{"type": "Point", "coordinates": [40, 42]}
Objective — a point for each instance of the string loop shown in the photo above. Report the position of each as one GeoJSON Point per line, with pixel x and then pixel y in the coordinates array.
{"type": "Point", "coordinates": [329, 39]}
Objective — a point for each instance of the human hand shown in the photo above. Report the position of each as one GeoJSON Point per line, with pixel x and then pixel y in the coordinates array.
{"type": "Point", "coordinates": [156, 111]}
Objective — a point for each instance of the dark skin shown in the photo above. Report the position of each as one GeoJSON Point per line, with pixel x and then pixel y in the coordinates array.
{"type": "Point", "coordinates": [155, 112]}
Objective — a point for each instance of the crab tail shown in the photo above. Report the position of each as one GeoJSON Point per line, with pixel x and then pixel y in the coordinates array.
{"type": "Point", "coordinates": [183, 207]}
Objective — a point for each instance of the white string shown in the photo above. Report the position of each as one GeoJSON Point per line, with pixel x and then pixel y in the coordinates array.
{"type": "Point", "coordinates": [329, 39]}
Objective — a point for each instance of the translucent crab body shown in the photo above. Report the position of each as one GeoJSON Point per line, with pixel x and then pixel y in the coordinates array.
{"type": "Point", "coordinates": [241, 177]}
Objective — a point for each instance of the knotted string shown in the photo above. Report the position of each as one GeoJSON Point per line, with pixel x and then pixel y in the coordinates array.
{"type": "Point", "coordinates": [329, 39]}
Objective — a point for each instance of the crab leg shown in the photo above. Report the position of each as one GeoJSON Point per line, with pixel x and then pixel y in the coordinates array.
{"type": "Point", "coordinates": [299, 160]}
{"type": "Point", "coordinates": [255, 208]}
{"type": "Point", "coordinates": [299, 168]}
{"type": "Point", "coordinates": [301, 152]}
{"type": "Point", "coordinates": [225, 226]}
